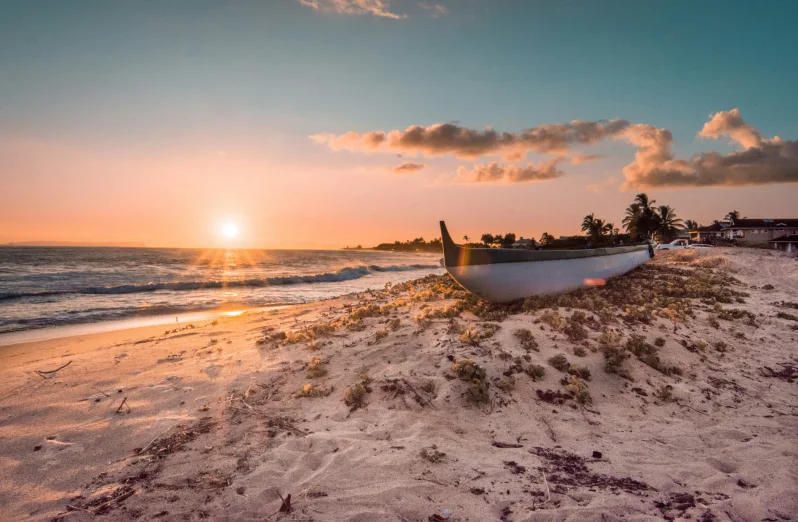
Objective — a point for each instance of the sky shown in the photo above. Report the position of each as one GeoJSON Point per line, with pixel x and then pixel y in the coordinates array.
{"type": "Point", "coordinates": [324, 123]}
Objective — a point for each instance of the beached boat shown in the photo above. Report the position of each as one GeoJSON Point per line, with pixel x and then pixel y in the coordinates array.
{"type": "Point", "coordinates": [502, 274]}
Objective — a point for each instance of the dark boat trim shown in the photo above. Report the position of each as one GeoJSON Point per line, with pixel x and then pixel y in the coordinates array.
{"type": "Point", "coordinates": [455, 255]}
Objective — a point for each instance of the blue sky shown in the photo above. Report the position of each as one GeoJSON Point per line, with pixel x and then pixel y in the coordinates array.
{"type": "Point", "coordinates": [150, 77]}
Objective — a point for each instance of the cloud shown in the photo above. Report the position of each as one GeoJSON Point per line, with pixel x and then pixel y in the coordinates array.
{"type": "Point", "coordinates": [497, 173]}
{"type": "Point", "coordinates": [436, 9]}
{"type": "Point", "coordinates": [731, 124]}
{"type": "Point", "coordinates": [408, 167]}
{"type": "Point", "coordinates": [578, 159]}
{"type": "Point", "coordinates": [760, 162]}
{"type": "Point", "coordinates": [378, 8]}
{"type": "Point", "coordinates": [601, 186]}
{"type": "Point", "coordinates": [463, 142]}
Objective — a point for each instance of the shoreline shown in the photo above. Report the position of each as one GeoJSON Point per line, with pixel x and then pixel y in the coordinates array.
{"type": "Point", "coordinates": [90, 328]}
{"type": "Point", "coordinates": [675, 400]}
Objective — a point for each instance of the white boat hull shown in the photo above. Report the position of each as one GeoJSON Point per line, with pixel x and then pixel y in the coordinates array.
{"type": "Point", "coordinates": [503, 282]}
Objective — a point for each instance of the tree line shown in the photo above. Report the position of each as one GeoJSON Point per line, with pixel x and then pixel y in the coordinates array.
{"type": "Point", "coordinates": [643, 220]}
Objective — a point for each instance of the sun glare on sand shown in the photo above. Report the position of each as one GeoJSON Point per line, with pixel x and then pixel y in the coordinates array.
{"type": "Point", "coordinates": [230, 230]}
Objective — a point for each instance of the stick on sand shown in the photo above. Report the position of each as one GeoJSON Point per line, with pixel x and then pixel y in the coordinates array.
{"type": "Point", "coordinates": [45, 373]}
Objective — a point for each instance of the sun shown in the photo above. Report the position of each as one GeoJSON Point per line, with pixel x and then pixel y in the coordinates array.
{"type": "Point", "coordinates": [230, 230]}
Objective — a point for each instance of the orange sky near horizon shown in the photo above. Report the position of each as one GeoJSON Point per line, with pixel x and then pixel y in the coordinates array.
{"type": "Point", "coordinates": [182, 198]}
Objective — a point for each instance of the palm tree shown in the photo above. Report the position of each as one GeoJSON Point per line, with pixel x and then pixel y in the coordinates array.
{"type": "Point", "coordinates": [466, 239]}
{"type": "Point", "coordinates": [588, 223]}
{"type": "Point", "coordinates": [631, 220]}
{"type": "Point", "coordinates": [595, 228]}
{"type": "Point", "coordinates": [546, 239]}
{"type": "Point", "coordinates": [689, 224]}
{"type": "Point", "coordinates": [733, 216]}
{"type": "Point", "coordinates": [669, 223]}
{"type": "Point", "coordinates": [487, 239]}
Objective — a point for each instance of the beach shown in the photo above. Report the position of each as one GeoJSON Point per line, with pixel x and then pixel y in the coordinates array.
{"type": "Point", "coordinates": [666, 393]}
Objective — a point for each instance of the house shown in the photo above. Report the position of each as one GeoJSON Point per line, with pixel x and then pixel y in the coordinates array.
{"type": "Point", "coordinates": [759, 231]}
{"type": "Point", "coordinates": [786, 243]}
{"type": "Point", "coordinates": [527, 244]}
{"type": "Point", "coordinates": [708, 234]}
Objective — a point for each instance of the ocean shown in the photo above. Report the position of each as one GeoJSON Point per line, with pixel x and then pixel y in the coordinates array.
{"type": "Point", "coordinates": [55, 286]}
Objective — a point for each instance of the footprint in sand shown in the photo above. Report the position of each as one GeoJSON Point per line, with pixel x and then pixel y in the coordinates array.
{"type": "Point", "coordinates": [724, 466]}
{"type": "Point", "coordinates": [213, 371]}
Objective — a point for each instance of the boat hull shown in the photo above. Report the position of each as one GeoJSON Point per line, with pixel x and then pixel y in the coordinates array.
{"type": "Point", "coordinates": [501, 275]}
{"type": "Point", "coordinates": [505, 282]}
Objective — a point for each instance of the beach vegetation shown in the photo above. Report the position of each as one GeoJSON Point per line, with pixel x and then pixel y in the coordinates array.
{"type": "Point", "coordinates": [560, 363]}
{"type": "Point", "coordinates": [432, 454]}
{"type": "Point", "coordinates": [536, 371]}
{"type": "Point", "coordinates": [527, 340]}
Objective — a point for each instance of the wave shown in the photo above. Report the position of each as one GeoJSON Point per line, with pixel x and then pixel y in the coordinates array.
{"type": "Point", "coordinates": [344, 274]}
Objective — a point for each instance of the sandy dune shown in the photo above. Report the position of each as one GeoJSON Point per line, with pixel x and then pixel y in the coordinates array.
{"type": "Point", "coordinates": [444, 421]}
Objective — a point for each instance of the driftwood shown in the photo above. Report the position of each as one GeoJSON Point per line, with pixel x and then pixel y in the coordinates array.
{"type": "Point", "coordinates": [124, 401]}
{"type": "Point", "coordinates": [286, 505]}
{"type": "Point", "coordinates": [45, 373]}
{"type": "Point", "coordinates": [497, 444]}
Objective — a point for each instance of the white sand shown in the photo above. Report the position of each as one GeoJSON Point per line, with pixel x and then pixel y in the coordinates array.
{"type": "Point", "coordinates": [723, 446]}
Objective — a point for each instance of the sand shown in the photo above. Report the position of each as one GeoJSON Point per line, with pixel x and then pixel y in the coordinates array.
{"type": "Point", "coordinates": [206, 421]}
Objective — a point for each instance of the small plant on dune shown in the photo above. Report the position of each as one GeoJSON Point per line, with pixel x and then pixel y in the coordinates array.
{"type": "Point", "coordinates": [477, 392]}
{"type": "Point", "coordinates": [575, 331]}
{"type": "Point", "coordinates": [560, 362]}
{"type": "Point", "coordinates": [579, 390]}
{"type": "Point", "coordinates": [322, 329]}
{"type": "Point", "coordinates": [468, 370]}
{"type": "Point", "coordinates": [553, 319]}
{"type": "Point", "coordinates": [432, 454]}
{"type": "Point", "coordinates": [381, 334]}
{"type": "Point", "coordinates": [659, 342]}
{"type": "Point", "coordinates": [317, 368]}
{"type": "Point", "coordinates": [470, 336]}
{"type": "Point", "coordinates": [713, 321]}
{"type": "Point", "coordinates": [720, 346]}
{"type": "Point", "coordinates": [733, 314]}
{"type": "Point", "coordinates": [768, 287]}
{"type": "Point", "coordinates": [535, 371]}
{"type": "Point", "coordinates": [355, 395]}
{"type": "Point", "coordinates": [314, 345]}
{"type": "Point", "coordinates": [579, 371]}
{"type": "Point", "coordinates": [311, 391]}
{"type": "Point", "coordinates": [354, 325]}
{"type": "Point", "coordinates": [506, 384]}
{"type": "Point", "coordinates": [474, 336]}
{"type": "Point", "coordinates": [428, 386]}
{"type": "Point", "coordinates": [609, 338]}
{"type": "Point", "coordinates": [637, 345]}
{"type": "Point", "coordinates": [528, 342]}
{"type": "Point", "coordinates": [298, 336]}
{"type": "Point", "coordinates": [613, 359]}
{"type": "Point", "coordinates": [394, 324]}
{"type": "Point", "coordinates": [422, 320]}
{"type": "Point", "coordinates": [580, 351]}
{"type": "Point", "coordinates": [364, 312]}
{"type": "Point", "coordinates": [664, 393]}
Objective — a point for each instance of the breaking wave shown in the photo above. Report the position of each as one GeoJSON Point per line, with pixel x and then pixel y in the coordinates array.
{"type": "Point", "coordinates": [344, 274]}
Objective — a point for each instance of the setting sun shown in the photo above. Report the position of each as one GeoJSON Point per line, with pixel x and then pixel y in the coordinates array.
{"type": "Point", "coordinates": [230, 230]}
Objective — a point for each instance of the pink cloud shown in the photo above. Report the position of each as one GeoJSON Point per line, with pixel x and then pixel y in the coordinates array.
{"type": "Point", "coordinates": [497, 173]}
{"type": "Point", "coordinates": [408, 167]}
{"type": "Point", "coordinates": [379, 8]}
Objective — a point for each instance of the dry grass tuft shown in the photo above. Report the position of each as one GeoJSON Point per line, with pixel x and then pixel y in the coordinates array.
{"type": "Point", "coordinates": [528, 341]}
{"type": "Point", "coordinates": [317, 368]}
{"type": "Point", "coordinates": [560, 363]}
